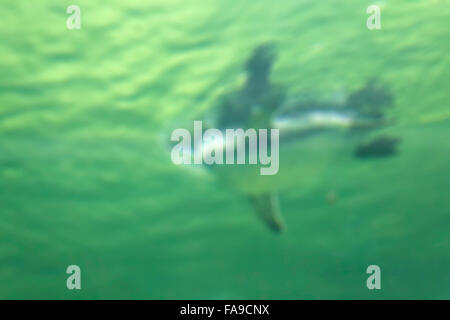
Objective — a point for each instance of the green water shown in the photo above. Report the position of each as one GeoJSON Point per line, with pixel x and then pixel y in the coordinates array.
{"type": "Point", "coordinates": [86, 176]}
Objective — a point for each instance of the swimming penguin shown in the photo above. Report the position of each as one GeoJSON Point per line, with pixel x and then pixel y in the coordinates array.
{"type": "Point", "coordinates": [262, 104]}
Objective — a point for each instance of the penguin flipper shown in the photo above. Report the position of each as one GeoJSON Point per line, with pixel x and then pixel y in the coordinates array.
{"type": "Point", "coordinates": [377, 148]}
{"type": "Point", "coordinates": [266, 206]}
